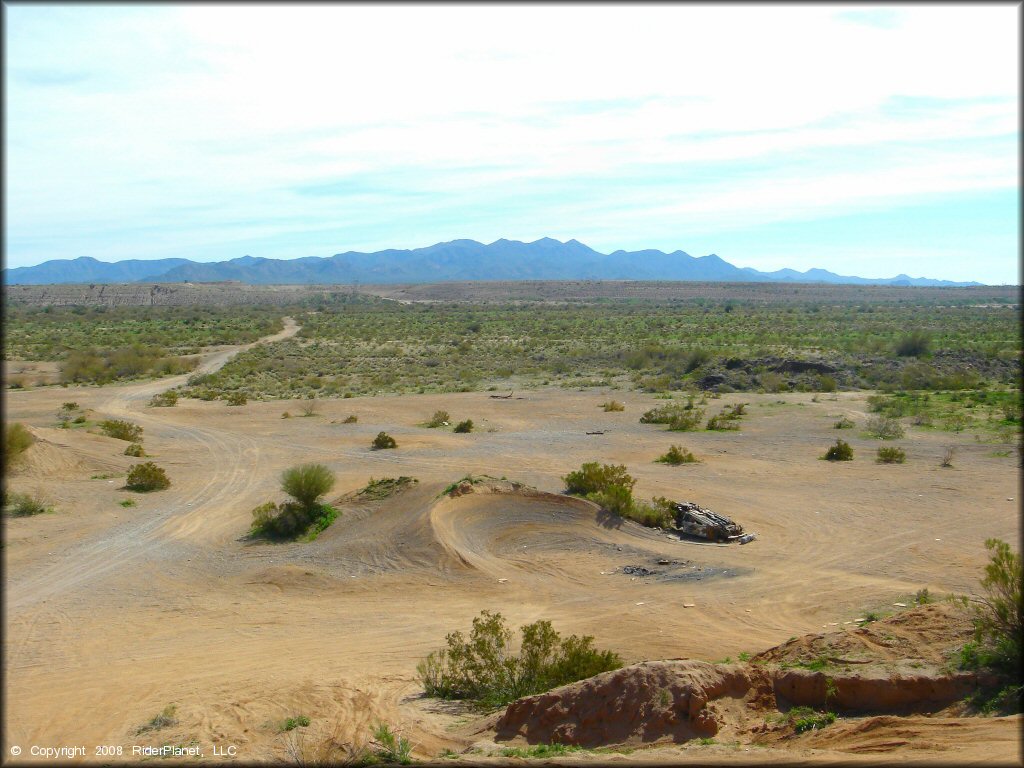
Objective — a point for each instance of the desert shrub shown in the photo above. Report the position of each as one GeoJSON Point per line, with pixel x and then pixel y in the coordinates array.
{"type": "Point", "coordinates": [146, 477]}
{"type": "Point", "coordinates": [844, 423]}
{"type": "Point", "coordinates": [885, 428]}
{"type": "Point", "coordinates": [384, 440]}
{"type": "Point", "coordinates": [662, 414]}
{"type": "Point", "coordinates": [236, 398]}
{"type": "Point", "coordinates": [291, 723]}
{"type": "Point", "coordinates": [999, 613]}
{"type": "Point", "coordinates": [306, 483]}
{"type": "Point", "coordinates": [289, 519]}
{"type": "Point", "coordinates": [913, 344]}
{"type": "Point", "coordinates": [826, 383]}
{"type": "Point", "coordinates": [773, 382]}
{"type": "Point", "coordinates": [841, 451]}
{"type": "Point", "coordinates": [163, 720]}
{"type": "Point", "coordinates": [611, 487]}
{"type": "Point", "coordinates": [617, 499]}
{"type": "Point", "coordinates": [17, 440]}
{"type": "Point", "coordinates": [389, 747]}
{"type": "Point", "coordinates": [658, 514]}
{"type": "Point", "coordinates": [135, 449]}
{"type": "Point", "coordinates": [923, 597]}
{"type": "Point", "coordinates": [676, 455]}
{"type": "Point", "coordinates": [164, 399]}
{"type": "Point", "coordinates": [121, 430]}
{"type": "Point", "coordinates": [386, 486]}
{"type": "Point", "coordinates": [439, 419]}
{"type": "Point", "coordinates": [947, 455]}
{"type": "Point", "coordinates": [594, 478]}
{"type": "Point", "coordinates": [485, 670]}
{"type": "Point", "coordinates": [350, 419]}
{"type": "Point", "coordinates": [722, 422]}
{"type": "Point", "coordinates": [613, 405]}
{"type": "Point", "coordinates": [23, 505]}
{"type": "Point", "coordinates": [891, 456]}
{"type": "Point", "coordinates": [310, 407]}
{"type": "Point", "coordinates": [806, 719]}
{"type": "Point", "coordinates": [286, 415]}
{"type": "Point", "coordinates": [687, 420]}
{"type": "Point", "coordinates": [464, 426]}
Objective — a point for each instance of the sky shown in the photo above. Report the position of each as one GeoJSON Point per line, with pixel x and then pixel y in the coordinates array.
{"type": "Point", "coordinates": [867, 140]}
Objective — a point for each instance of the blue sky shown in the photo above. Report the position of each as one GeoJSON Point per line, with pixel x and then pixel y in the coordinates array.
{"type": "Point", "coordinates": [864, 140]}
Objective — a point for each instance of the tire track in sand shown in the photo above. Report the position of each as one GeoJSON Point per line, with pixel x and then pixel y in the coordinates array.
{"type": "Point", "coordinates": [230, 456]}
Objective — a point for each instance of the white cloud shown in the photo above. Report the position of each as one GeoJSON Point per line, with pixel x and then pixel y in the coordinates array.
{"type": "Point", "coordinates": [125, 112]}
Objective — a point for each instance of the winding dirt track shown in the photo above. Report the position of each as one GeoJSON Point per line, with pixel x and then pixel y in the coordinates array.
{"type": "Point", "coordinates": [115, 612]}
{"type": "Point", "coordinates": [233, 456]}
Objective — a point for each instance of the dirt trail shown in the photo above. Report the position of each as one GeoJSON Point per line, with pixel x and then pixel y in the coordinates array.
{"type": "Point", "coordinates": [232, 457]}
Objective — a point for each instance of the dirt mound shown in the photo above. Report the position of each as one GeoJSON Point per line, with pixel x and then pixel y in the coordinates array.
{"type": "Point", "coordinates": [890, 666]}
{"type": "Point", "coordinates": [52, 458]}
{"type": "Point", "coordinates": [918, 638]}
{"type": "Point", "coordinates": [648, 702]}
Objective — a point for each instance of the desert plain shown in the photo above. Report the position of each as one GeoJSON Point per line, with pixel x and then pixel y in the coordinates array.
{"type": "Point", "coordinates": [114, 613]}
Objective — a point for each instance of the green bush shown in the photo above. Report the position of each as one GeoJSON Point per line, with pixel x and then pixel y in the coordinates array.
{"type": "Point", "coordinates": [166, 399]}
{"type": "Point", "coordinates": [147, 477]}
{"type": "Point", "coordinates": [285, 520]}
{"type": "Point", "coordinates": [999, 613]}
{"type": "Point", "coordinates": [135, 449]}
{"type": "Point", "coordinates": [687, 421]}
{"type": "Point", "coordinates": [594, 478]}
{"type": "Point", "coordinates": [485, 670]}
{"type": "Point", "coordinates": [659, 514]}
{"type": "Point", "coordinates": [885, 428]}
{"type": "Point", "coordinates": [389, 747]}
{"type": "Point", "coordinates": [384, 440]}
{"type": "Point", "coordinates": [664, 414]}
{"type": "Point", "coordinates": [722, 422]}
{"type": "Point", "coordinates": [291, 723]}
{"type": "Point", "coordinates": [806, 719]}
{"type": "Point", "coordinates": [891, 456]}
{"type": "Point", "coordinates": [844, 423]}
{"type": "Point", "coordinates": [677, 455]}
{"type": "Point", "coordinates": [17, 440]}
{"type": "Point", "coordinates": [439, 419]}
{"type": "Point", "coordinates": [617, 499]}
{"type": "Point", "coordinates": [121, 430]}
{"type": "Point", "coordinates": [841, 451]}
{"type": "Point", "coordinates": [23, 505]}
{"type": "Point", "coordinates": [826, 383]}
{"type": "Point", "coordinates": [236, 398]}
{"type": "Point", "coordinates": [613, 405]}
{"type": "Point", "coordinates": [914, 344]}
{"type": "Point", "coordinates": [350, 419]}
{"type": "Point", "coordinates": [306, 483]}
{"type": "Point", "coordinates": [464, 427]}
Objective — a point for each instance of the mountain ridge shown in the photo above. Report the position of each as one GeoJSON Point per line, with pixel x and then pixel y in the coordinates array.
{"type": "Point", "coordinates": [454, 260]}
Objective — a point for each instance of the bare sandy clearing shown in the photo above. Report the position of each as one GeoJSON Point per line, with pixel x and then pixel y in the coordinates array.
{"type": "Point", "coordinates": [114, 613]}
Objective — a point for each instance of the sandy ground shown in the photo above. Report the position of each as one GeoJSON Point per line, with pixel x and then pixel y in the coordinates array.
{"type": "Point", "coordinates": [114, 613]}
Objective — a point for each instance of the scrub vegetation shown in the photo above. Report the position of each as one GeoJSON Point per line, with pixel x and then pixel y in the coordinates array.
{"type": "Point", "coordinates": [376, 347]}
{"type": "Point", "coordinates": [104, 344]}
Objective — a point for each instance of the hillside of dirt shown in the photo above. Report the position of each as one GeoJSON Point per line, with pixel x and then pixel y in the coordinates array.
{"type": "Point", "coordinates": [896, 666]}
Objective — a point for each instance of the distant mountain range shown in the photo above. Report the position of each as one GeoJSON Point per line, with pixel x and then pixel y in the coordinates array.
{"type": "Point", "coordinates": [543, 259]}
